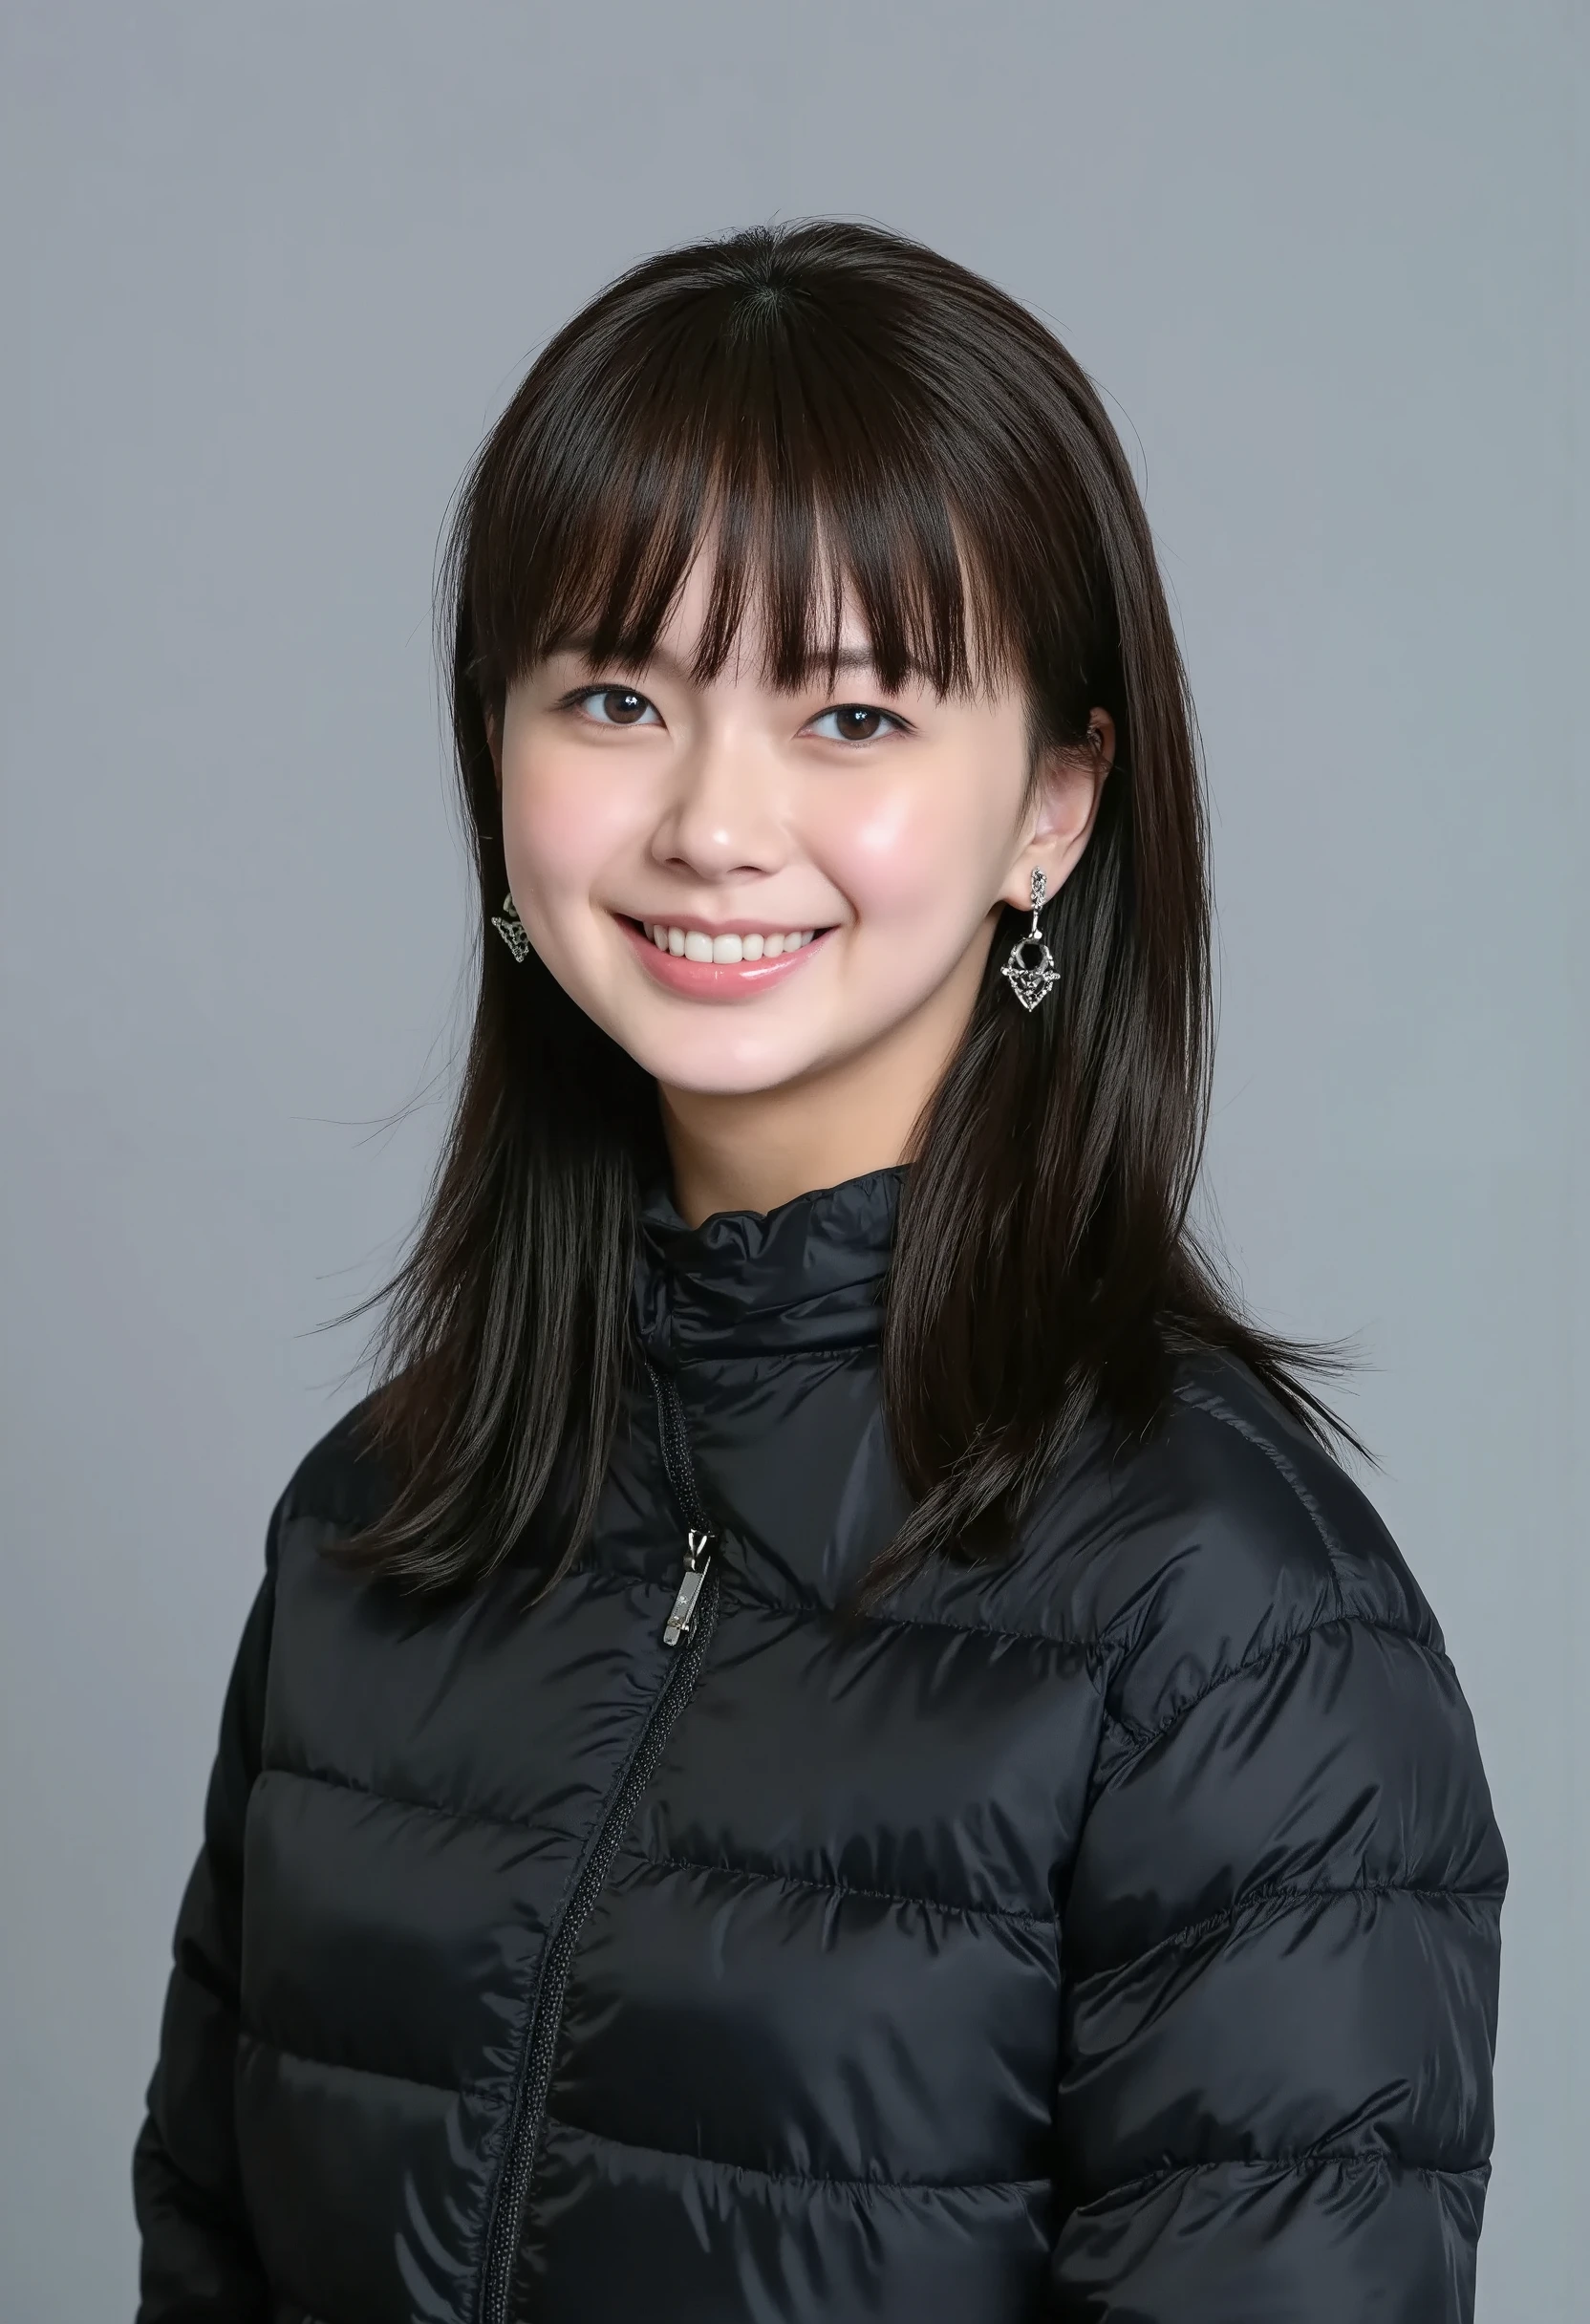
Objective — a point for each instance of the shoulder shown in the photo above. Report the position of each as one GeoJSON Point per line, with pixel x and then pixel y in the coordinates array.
{"type": "Point", "coordinates": [1223, 1535]}
{"type": "Point", "coordinates": [341, 1484]}
{"type": "Point", "coordinates": [1240, 1537]}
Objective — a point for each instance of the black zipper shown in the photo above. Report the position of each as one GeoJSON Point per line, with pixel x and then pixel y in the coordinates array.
{"type": "Point", "coordinates": [691, 1623]}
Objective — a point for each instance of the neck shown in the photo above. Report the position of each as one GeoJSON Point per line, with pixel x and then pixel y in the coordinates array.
{"type": "Point", "coordinates": [729, 1154]}
{"type": "Point", "coordinates": [754, 1149]}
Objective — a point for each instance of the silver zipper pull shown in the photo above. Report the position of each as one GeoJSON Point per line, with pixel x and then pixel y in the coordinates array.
{"type": "Point", "coordinates": [681, 1618]}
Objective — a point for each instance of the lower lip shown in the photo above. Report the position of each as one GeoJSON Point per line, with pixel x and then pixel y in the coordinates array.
{"type": "Point", "coordinates": [719, 980]}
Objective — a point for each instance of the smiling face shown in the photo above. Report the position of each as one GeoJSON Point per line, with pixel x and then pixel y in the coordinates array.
{"type": "Point", "coordinates": [778, 903]}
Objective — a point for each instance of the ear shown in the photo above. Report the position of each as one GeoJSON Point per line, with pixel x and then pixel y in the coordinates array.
{"type": "Point", "coordinates": [494, 744]}
{"type": "Point", "coordinates": [1067, 785]}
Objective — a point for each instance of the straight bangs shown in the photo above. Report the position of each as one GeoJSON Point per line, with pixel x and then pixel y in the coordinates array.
{"type": "Point", "coordinates": [822, 447]}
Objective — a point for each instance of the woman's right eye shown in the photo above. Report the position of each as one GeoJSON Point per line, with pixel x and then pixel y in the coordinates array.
{"type": "Point", "coordinates": [616, 706]}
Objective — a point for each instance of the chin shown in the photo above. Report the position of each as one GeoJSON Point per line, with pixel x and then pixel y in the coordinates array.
{"type": "Point", "coordinates": [704, 1069]}
{"type": "Point", "coordinates": [698, 1080]}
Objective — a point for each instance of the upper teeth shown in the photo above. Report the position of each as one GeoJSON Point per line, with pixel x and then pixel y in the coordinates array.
{"type": "Point", "coordinates": [694, 944]}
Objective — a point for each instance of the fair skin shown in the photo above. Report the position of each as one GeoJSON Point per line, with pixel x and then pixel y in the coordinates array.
{"type": "Point", "coordinates": [643, 812]}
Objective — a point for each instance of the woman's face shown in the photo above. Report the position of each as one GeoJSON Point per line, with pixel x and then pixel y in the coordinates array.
{"type": "Point", "coordinates": [752, 890]}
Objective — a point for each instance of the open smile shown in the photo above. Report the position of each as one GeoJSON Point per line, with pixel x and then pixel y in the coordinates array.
{"type": "Point", "coordinates": [720, 963]}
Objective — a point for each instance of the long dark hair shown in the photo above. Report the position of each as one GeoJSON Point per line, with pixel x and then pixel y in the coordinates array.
{"type": "Point", "coordinates": [842, 408]}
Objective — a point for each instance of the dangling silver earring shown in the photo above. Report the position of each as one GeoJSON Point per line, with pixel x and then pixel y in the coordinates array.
{"type": "Point", "coordinates": [1031, 979]}
{"type": "Point", "coordinates": [512, 929]}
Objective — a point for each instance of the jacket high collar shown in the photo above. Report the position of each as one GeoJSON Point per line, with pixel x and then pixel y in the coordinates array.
{"type": "Point", "coordinates": [807, 1276]}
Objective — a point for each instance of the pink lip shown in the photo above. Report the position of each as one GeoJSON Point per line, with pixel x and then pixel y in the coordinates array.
{"type": "Point", "coordinates": [716, 980]}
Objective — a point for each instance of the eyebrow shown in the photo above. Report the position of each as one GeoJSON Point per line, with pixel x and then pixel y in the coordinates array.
{"type": "Point", "coordinates": [848, 657]}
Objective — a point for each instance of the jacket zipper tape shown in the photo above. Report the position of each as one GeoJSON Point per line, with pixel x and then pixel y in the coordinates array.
{"type": "Point", "coordinates": [691, 1621]}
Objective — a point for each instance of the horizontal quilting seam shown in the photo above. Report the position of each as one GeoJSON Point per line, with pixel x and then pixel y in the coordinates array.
{"type": "Point", "coordinates": [1282, 2166]}
{"type": "Point", "coordinates": [622, 1581]}
{"type": "Point", "coordinates": [681, 1353]}
{"type": "Point", "coordinates": [883, 1896]}
{"type": "Point", "coordinates": [1087, 1647]}
{"type": "Point", "coordinates": [376, 2074]}
{"type": "Point", "coordinates": [1293, 1896]}
{"type": "Point", "coordinates": [419, 1807]}
{"type": "Point", "coordinates": [812, 2179]}
{"type": "Point", "coordinates": [1143, 1738]}
{"type": "Point", "coordinates": [813, 1609]}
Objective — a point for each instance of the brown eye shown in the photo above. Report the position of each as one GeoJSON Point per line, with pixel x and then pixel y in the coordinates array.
{"type": "Point", "coordinates": [615, 707]}
{"type": "Point", "coordinates": [621, 707]}
{"type": "Point", "coordinates": [854, 722]}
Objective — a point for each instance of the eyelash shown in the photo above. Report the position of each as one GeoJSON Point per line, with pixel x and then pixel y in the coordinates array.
{"type": "Point", "coordinates": [584, 695]}
{"type": "Point", "coordinates": [893, 722]}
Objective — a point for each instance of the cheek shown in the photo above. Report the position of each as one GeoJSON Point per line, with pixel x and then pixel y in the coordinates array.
{"type": "Point", "coordinates": [904, 863]}
{"type": "Point", "coordinates": [562, 821]}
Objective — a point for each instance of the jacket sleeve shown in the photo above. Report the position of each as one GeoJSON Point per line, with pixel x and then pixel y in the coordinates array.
{"type": "Point", "coordinates": [1281, 1950]}
{"type": "Point", "coordinates": [199, 2265]}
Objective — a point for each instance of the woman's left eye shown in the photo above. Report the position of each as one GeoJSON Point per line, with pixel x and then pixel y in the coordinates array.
{"type": "Point", "coordinates": [854, 722]}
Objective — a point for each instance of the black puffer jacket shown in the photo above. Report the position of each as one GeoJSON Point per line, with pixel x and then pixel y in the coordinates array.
{"type": "Point", "coordinates": [1112, 1934]}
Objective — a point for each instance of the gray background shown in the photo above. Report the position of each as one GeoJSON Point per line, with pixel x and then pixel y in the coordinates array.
{"type": "Point", "coordinates": [268, 273]}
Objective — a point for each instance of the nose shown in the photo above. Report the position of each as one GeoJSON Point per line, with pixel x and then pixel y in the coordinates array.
{"type": "Point", "coordinates": [721, 820]}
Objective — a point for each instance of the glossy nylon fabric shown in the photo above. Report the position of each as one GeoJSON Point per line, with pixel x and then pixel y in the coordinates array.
{"type": "Point", "coordinates": [1109, 1934]}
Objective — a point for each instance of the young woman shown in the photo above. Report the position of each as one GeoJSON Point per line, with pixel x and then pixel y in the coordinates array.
{"type": "Point", "coordinates": [831, 1742]}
